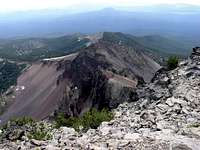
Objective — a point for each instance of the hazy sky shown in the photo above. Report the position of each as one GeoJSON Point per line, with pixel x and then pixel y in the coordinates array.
{"type": "Point", "coordinates": [21, 5]}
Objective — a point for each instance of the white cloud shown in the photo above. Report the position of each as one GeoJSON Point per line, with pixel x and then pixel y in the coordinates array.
{"type": "Point", "coordinates": [17, 5]}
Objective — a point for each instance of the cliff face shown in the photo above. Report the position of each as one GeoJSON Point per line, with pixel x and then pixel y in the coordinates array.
{"type": "Point", "coordinates": [104, 75]}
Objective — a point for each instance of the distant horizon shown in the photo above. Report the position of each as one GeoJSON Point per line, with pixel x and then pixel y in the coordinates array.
{"type": "Point", "coordinates": [76, 10]}
{"type": "Point", "coordinates": [83, 6]}
{"type": "Point", "coordinates": [171, 19]}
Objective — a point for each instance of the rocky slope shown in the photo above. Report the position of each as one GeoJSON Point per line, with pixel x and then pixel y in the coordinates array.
{"type": "Point", "coordinates": [36, 93]}
{"type": "Point", "coordinates": [166, 117]}
{"type": "Point", "coordinates": [104, 74]}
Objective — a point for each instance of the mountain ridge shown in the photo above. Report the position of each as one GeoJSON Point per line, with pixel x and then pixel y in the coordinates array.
{"type": "Point", "coordinates": [87, 79]}
{"type": "Point", "coordinates": [32, 49]}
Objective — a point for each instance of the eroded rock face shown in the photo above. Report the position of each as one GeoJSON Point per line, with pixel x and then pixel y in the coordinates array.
{"type": "Point", "coordinates": [87, 86]}
{"type": "Point", "coordinates": [105, 75]}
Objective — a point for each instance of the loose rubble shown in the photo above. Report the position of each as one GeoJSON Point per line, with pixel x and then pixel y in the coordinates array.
{"type": "Point", "coordinates": [166, 117]}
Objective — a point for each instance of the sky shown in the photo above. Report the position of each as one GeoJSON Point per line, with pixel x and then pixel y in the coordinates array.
{"type": "Point", "coordinates": [23, 5]}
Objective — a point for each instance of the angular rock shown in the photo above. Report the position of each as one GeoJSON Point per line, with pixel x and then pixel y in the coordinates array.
{"type": "Point", "coordinates": [181, 147]}
{"type": "Point", "coordinates": [38, 143]}
{"type": "Point", "coordinates": [17, 134]}
{"type": "Point", "coordinates": [132, 136]}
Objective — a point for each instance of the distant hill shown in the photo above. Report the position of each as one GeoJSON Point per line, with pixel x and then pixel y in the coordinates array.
{"type": "Point", "coordinates": [154, 43]}
{"type": "Point", "coordinates": [37, 48]}
{"type": "Point", "coordinates": [32, 49]}
{"type": "Point", "coordinates": [164, 45]}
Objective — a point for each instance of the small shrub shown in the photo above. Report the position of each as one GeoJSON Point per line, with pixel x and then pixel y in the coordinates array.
{"type": "Point", "coordinates": [94, 118]}
{"type": "Point", "coordinates": [31, 129]}
{"type": "Point", "coordinates": [39, 135]}
{"type": "Point", "coordinates": [172, 62]}
{"type": "Point", "coordinates": [22, 121]}
{"type": "Point", "coordinates": [69, 122]}
{"type": "Point", "coordinates": [90, 119]}
{"type": "Point", "coordinates": [40, 132]}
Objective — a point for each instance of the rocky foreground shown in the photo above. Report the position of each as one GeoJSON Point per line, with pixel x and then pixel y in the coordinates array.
{"type": "Point", "coordinates": [166, 117]}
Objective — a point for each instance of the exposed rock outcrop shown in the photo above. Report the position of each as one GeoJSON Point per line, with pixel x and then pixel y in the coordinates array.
{"type": "Point", "coordinates": [104, 75]}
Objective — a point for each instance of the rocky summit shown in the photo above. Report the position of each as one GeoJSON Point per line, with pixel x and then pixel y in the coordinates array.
{"type": "Point", "coordinates": [166, 117]}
